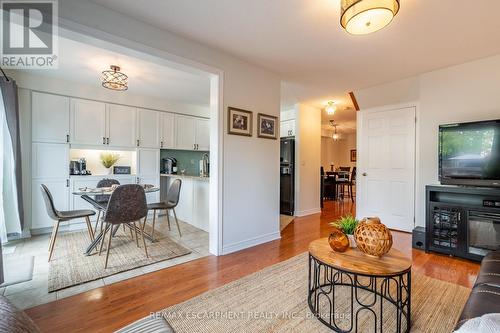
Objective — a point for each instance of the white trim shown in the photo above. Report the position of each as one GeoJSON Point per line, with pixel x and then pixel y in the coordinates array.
{"type": "Point", "coordinates": [244, 244]}
{"type": "Point", "coordinates": [308, 212]}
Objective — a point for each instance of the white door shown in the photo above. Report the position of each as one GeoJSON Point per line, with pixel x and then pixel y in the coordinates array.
{"type": "Point", "coordinates": [50, 118]}
{"type": "Point", "coordinates": [50, 160]}
{"type": "Point", "coordinates": [185, 130]}
{"type": "Point", "coordinates": [88, 122]}
{"type": "Point", "coordinates": [167, 130]}
{"type": "Point", "coordinates": [149, 124]}
{"type": "Point", "coordinates": [60, 193]}
{"type": "Point", "coordinates": [386, 167]}
{"type": "Point", "coordinates": [121, 126]}
{"type": "Point", "coordinates": [202, 134]}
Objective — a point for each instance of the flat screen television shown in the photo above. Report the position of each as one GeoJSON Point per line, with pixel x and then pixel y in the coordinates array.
{"type": "Point", "coordinates": [469, 154]}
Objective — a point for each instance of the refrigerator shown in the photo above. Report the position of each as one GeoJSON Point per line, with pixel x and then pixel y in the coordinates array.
{"type": "Point", "coordinates": [287, 176]}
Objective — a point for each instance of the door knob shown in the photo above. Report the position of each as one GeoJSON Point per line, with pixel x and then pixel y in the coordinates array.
{"type": "Point", "coordinates": [364, 174]}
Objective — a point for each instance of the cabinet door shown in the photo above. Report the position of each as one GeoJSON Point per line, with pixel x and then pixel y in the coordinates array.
{"type": "Point", "coordinates": [287, 128]}
{"type": "Point", "coordinates": [121, 124]}
{"type": "Point", "coordinates": [149, 128]}
{"type": "Point", "coordinates": [148, 162]}
{"type": "Point", "coordinates": [185, 129]}
{"type": "Point", "coordinates": [60, 192]}
{"type": "Point", "coordinates": [203, 134]}
{"type": "Point", "coordinates": [88, 122]}
{"type": "Point", "coordinates": [50, 160]}
{"type": "Point", "coordinates": [201, 195]}
{"type": "Point", "coordinates": [50, 118]}
{"type": "Point", "coordinates": [167, 130]}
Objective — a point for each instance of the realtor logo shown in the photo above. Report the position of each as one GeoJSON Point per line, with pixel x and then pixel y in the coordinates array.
{"type": "Point", "coordinates": [29, 34]}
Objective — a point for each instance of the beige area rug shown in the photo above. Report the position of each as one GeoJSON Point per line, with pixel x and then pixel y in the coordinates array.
{"type": "Point", "coordinates": [275, 300]}
{"type": "Point", "coordinates": [285, 220]}
{"type": "Point", "coordinates": [70, 266]}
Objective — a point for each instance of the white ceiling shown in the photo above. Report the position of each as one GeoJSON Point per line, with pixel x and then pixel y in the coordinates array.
{"type": "Point", "coordinates": [302, 39]}
{"type": "Point", "coordinates": [83, 63]}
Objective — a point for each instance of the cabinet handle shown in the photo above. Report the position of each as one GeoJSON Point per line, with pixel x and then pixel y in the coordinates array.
{"type": "Point", "coordinates": [107, 141]}
{"type": "Point", "coordinates": [67, 137]}
{"type": "Point", "coordinates": [161, 144]}
{"type": "Point", "coordinates": [137, 142]}
{"type": "Point", "coordinates": [137, 180]}
{"type": "Point", "coordinates": [67, 182]}
{"type": "Point", "coordinates": [103, 140]}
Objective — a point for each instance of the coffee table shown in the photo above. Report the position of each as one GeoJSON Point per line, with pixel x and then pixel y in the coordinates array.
{"type": "Point", "coordinates": [378, 290]}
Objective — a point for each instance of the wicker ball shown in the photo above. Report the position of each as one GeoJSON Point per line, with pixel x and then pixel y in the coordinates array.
{"type": "Point", "coordinates": [338, 240]}
{"type": "Point", "coordinates": [372, 237]}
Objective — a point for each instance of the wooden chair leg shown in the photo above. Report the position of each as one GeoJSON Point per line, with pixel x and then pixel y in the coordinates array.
{"type": "Point", "coordinates": [143, 241]}
{"type": "Point", "coordinates": [109, 247]}
{"type": "Point", "coordinates": [89, 228]}
{"type": "Point", "coordinates": [136, 237]}
{"type": "Point", "coordinates": [103, 237]}
{"type": "Point", "coordinates": [153, 226]}
{"type": "Point", "coordinates": [52, 236]}
{"type": "Point", "coordinates": [168, 221]}
{"type": "Point", "coordinates": [54, 240]}
{"type": "Point", "coordinates": [177, 222]}
{"type": "Point", "coordinates": [97, 221]}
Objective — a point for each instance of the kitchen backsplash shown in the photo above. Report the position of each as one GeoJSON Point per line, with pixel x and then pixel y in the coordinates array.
{"type": "Point", "coordinates": [186, 159]}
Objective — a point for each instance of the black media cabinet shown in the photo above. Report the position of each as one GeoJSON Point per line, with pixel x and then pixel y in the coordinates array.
{"type": "Point", "coordinates": [462, 221]}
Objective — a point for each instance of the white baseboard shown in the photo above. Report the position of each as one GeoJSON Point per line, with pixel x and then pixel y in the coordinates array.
{"type": "Point", "coordinates": [63, 228]}
{"type": "Point", "coordinates": [308, 212]}
{"type": "Point", "coordinates": [245, 244]}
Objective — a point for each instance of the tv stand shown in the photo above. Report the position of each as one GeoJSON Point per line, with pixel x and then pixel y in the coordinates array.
{"type": "Point", "coordinates": [462, 221]}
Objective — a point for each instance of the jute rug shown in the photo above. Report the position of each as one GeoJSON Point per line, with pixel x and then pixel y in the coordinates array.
{"type": "Point", "coordinates": [70, 266]}
{"type": "Point", "coordinates": [275, 300]}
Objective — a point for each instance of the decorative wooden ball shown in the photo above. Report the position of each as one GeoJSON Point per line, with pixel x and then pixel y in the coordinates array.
{"type": "Point", "coordinates": [372, 237]}
{"type": "Point", "coordinates": [338, 240]}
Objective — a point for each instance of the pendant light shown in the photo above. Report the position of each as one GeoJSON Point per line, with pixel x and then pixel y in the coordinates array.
{"type": "Point", "coordinates": [335, 135]}
{"type": "Point", "coordinates": [331, 108]}
{"type": "Point", "coordinates": [361, 17]}
{"type": "Point", "coordinates": [114, 79]}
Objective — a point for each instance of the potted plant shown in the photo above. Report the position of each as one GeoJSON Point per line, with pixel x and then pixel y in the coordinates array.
{"type": "Point", "coordinates": [108, 160]}
{"type": "Point", "coordinates": [347, 224]}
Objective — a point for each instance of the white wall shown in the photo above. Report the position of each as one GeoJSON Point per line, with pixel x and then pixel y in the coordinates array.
{"type": "Point", "coordinates": [467, 92]}
{"type": "Point", "coordinates": [250, 165]}
{"type": "Point", "coordinates": [308, 160]}
{"type": "Point", "coordinates": [337, 152]}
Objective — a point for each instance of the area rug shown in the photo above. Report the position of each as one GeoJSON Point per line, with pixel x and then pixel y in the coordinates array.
{"type": "Point", "coordinates": [17, 270]}
{"type": "Point", "coordinates": [70, 266]}
{"type": "Point", "coordinates": [275, 300]}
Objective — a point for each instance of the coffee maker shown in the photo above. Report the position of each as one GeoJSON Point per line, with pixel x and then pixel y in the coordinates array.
{"type": "Point", "coordinates": [170, 165]}
{"type": "Point", "coordinates": [78, 167]}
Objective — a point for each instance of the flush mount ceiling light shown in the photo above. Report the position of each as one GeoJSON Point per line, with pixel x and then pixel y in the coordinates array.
{"type": "Point", "coordinates": [331, 108]}
{"type": "Point", "coordinates": [114, 79]}
{"type": "Point", "coordinates": [360, 17]}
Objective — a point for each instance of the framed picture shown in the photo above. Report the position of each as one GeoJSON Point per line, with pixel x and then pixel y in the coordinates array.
{"type": "Point", "coordinates": [353, 155]}
{"type": "Point", "coordinates": [239, 122]}
{"type": "Point", "coordinates": [267, 126]}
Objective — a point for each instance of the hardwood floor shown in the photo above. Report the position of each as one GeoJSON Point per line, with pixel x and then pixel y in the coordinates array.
{"type": "Point", "coordinates": [108, 308]}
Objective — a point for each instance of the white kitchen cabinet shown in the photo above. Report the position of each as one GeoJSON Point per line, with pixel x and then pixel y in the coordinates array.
{"type": "Point", "coordinates": [201, 194]}
{"type": "Point", "coordinates": [148, 162]}
{"type": "Point", "coordinates": [151, 197]}
{"type": "Point", "coordinates": [148, 128]}
{"type": "Point", "coordinates": [121, 125]}
{"type": "Point", "coordinates": [168, 130]}
{"type": "Point", "coordinates": [50, 160]}
{"type": "Point", "coordinates": [50, 118]}
{"type": "Point", "coordinates": [88, 122]}
{"type": "Point", "coordinates": [184, 209]}
{"type": "Point", "coordinates": [185, 132]}
{"type": "Point", "coordinates": [287, 128]}
{"type": "Point", "coordinates": [202, 138]}
{"type": "Point", "coordinates": [59, 188]}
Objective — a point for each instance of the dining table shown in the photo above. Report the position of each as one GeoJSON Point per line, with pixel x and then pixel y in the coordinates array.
{"type": "Point", "coordinates": [331, 177]}
{"type": "Point", "coordinates": [88, 194]}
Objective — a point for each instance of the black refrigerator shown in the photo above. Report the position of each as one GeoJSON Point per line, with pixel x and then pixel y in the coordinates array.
{"type": "Point", "coordinates": [287, 176]}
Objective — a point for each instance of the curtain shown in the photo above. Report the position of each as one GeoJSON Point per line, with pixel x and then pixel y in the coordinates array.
{"type": "Point", "coordinates": [12, 203]}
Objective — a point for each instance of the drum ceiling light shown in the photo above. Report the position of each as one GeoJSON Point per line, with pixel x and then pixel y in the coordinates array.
{"type": "Point", "coordinates": [361, 17]}
{"type": "Point", "coordinates": [114, 79]}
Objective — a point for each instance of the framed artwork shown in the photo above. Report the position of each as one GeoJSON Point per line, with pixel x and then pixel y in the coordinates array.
{"type": "Point", "coordinates": [267, 126]}
{"type": "Point", "coordinates": [353, 155]}
{"type": "Point", "coordinates": [239, 121]}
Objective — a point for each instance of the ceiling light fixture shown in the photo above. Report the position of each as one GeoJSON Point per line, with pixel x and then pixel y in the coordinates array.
{"type": "Point", "coordinates": [361, 17]}
{"type": "Point", "coordinates": [114, 79]}
{"type": "Point", "coordinates": [331, 108]}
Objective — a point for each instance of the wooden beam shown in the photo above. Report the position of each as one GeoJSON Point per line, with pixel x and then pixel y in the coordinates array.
{"type": "Point", "coordinates": [354, 101]}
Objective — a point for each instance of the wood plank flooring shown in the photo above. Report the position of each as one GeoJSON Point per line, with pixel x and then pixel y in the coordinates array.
{"type": "Point", "coordinates": [108, 308]}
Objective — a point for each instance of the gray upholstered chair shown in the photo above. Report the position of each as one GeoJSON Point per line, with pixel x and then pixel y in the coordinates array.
{"type": "Point", "coordinates": [61, 216]}
{"type": "Point", "coordinates": [127, 205]}
{"type": "Point", "coordinates": [170, 203]}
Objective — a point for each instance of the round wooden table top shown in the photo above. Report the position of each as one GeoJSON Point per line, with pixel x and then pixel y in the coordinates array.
{"type": "Point", "coordinates": [355, 261]}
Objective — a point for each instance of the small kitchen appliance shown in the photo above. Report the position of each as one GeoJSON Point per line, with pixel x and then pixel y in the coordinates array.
{"type": "Point", "coordinates": [170, 165]}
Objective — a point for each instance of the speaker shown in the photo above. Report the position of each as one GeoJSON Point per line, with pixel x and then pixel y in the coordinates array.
{"type": "Point", "coordinates": [418, 238]}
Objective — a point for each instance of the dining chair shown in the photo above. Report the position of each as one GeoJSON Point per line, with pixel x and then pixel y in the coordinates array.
{"type": "Point", "coordinates": [127, 205]}
{"type": "Point", "coordinates": [352, 182]}
{"type": "Point", "coordinates": [342, 181]}
{"type": "Point", "coordinates": [62, 216]}
{"type": "Point", "coordinates": [102, 199]}
{"type": "Point", "coordinates": [170, 203]}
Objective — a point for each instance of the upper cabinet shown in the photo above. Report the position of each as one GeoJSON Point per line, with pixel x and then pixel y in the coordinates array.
{"type": "Point", "coordinates": [148, 128]}
{"type": "Point", "coordinates": [287, 128]}
{"type": "Point", "coordinates": [88, 122]}
{"type": "Point", "coordinates": [192, 133]}
{"type": "Point", "coordinates": [168, 130]}
{"type": "Point", "coordinates": [121, 126]}
{"type": "Point", "coordinates": [50, 114]}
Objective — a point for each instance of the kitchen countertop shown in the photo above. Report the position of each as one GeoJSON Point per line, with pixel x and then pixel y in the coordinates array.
{"type": "Point", "coordinates": [184, 176]}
